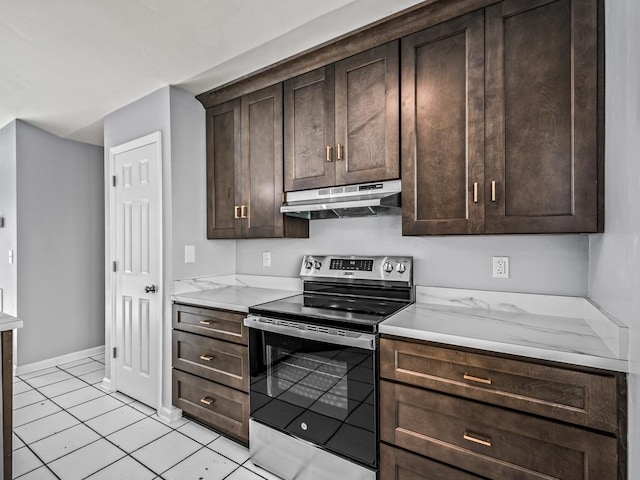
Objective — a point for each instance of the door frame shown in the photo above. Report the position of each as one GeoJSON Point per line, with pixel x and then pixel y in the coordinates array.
{"type": "Point", "coordinates": [110, 382]}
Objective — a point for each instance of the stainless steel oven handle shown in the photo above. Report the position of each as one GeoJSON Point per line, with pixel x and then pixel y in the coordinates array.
{"type": "Point", "coordinates": [299, 330]}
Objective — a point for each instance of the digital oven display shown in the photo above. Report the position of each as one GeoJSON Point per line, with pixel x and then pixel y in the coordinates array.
{"type": "Point", "coordinates": [348, 264]}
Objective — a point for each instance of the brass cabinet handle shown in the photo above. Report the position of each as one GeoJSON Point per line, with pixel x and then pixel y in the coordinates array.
{"type": "Point", "coordinates": [329, 153]}
{"type": "Point", "coordinates": [236, 211]}
{"type": "Point", "coordinates": [206, 357]}
{"type": "Point", "coordinates": [340, 152]}
{"type": "Point", "coordinates": [475, 192]}
{"type": "Point", "coordinates": [205, 322]}
{"type": "Point", "coordinates": [471, 378]}
{"type": "Point", "coordinates": [207, 400]}
{"type": "Point", "coordinates": [493, 191]}
{"type": "Point", "coordinates": [244, 211]}
{"type": "Point", "coordinates": [472, 437]}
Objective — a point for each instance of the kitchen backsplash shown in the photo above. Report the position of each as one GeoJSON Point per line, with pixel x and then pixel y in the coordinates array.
{"type": "Point", "coordinates": [549, 264]}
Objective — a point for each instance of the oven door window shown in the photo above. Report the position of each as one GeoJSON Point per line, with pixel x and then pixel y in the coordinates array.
{"type": "Point", "coordinates": [322, 392]}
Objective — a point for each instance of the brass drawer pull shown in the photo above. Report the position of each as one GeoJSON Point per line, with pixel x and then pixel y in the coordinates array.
{"type": "Point", "coordinates": [207, 400]}
{"type": "Point", "coordinates": [471, 378]}
{"type": "Point", "coordinates": [206, 358]}
{"type": "Point", "coordinates": [493, 191]}
{"type": "Point", "coordinates": [236, 211]}
{"type": "Point", "coordinates": [329, 153]}
{"type": "Point", "coordinates": [472, 437]}
{"type": "Point", "coordinates": [475, 192]}
{"type": "Point", "coordinates": [340, 152]}
{"type": "Point", "coordinates": [205, 322]}
{"type": "Point", "coordinates": [244, 211]}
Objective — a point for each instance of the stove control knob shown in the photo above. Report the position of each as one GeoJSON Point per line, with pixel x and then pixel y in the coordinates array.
{"type": "Point", "coordinates": [387, 267]}
{"type": "Point", "coordinates": [308, 264]}
{"type": "Point", "coordinates": [401, 268]}
{"type": "Point", "coordinates": [317, 264]}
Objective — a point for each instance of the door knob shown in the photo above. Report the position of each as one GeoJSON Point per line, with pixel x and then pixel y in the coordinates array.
{"type": "Point", "coordinates": [150, 289]}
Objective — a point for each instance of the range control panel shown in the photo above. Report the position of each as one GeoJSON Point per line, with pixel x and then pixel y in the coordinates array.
{"type": "Point", "coordinates": [365, 265]}
{"type": "Point", "coordinates": [358, 268]}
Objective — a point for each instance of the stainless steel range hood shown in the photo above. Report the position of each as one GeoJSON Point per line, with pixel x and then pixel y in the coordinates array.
{"type": "Point", "coordinates": [364, 200]}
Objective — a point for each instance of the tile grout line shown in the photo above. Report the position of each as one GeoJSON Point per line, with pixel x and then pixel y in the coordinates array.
{"type": "Point", "coordinates": [126, 454]}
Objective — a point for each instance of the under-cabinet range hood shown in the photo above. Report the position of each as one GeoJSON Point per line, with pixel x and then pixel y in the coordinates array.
{"type": "Point", "coordinates": [363, 200]}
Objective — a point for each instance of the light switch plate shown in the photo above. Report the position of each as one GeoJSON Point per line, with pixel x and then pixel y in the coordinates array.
{"type": "Point", "coordinates": [189, 254]}
{"type": "Point", "coordinates": [266, 259]}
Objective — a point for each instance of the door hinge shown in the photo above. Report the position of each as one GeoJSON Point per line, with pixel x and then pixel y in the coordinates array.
{"type": "Point", "coordinates": [114, 352]}
{"type": "Point", "coordinates": [113, 180]}
{"type": "Point", "coordinates": [115, 266]}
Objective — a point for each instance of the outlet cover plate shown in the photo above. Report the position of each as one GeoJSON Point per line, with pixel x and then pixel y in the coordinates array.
{"type": "Point", "coordinates": [500, 267]}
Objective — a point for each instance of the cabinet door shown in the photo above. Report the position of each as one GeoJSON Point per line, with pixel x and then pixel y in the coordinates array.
{"type": "Point", "coordinates": [443, 128]}
{"type": "Point", "coordinates": [367, 117]}
{"type": "Point", "coordinates": [542, 102]}
{"type": "Point", "coordinates": [223, 157]}
{"type": "Point", "coordinates": [262, 185]}
{"type": "Point", "coordinates": [309, 130]}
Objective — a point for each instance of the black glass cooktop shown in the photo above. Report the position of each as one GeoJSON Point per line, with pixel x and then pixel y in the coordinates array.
{"type": "Point", "coordinates": [351, 313]}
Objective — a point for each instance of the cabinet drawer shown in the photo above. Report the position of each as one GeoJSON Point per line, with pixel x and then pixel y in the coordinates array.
{"type": "Point", "coordinates": [491, 441]}
{"type": "Point", "coordinates": [222, 362]}
{"type": "Point", "coordinates": [210, 322]}
{"type": "Point", "coordinates": [223, 408]}
{"type": "Point", "coordinates": [576, 397]}
{"type": "Point", "coordinates": [396, 464]}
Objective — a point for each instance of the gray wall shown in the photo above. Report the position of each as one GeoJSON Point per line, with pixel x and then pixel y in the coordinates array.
{"type": "Point", "coordinates": [614, 273]}
{"type": "Point", "coordinates": [8, 273]}
{"type": "Point", "coordinates": [189, 192]}
{"type": "Point", "coordinates": [553, 264]}
{"type": "Point", "coordinates": [180, 119]}
{"type": "Point", "coordinates": [60, 254]}
{"type": "Point", "coordinates": [140, 118]}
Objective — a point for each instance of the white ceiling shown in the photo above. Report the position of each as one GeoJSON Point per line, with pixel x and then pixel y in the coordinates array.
{"type": "Point", "coordinates": [65, 64]}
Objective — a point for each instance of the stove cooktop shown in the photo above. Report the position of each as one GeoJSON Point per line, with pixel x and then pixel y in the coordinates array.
{"type": "Point", "coordinates": [350, 313]}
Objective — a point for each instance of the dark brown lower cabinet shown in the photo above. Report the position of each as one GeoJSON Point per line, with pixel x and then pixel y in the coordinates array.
{"type": "Point", "coordinates": [491, 441]}
{"type": "Point", "coordinates": [402, 465]}
{"type": "Point", "coordinates": [211, 369]}
{"type": "Point", "coordinates": [6, 392]}
{"type": "Point", "coordinates": [449, 413]}
{"type": "Point", "coordinates": [225, 409]}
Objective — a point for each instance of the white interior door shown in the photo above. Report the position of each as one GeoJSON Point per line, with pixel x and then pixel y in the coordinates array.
{"type": "Point", "coordinates": [138, 304]}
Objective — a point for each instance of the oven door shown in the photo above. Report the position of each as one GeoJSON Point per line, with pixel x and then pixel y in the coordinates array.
{"type": "Point", "coordinates": [319, 386]}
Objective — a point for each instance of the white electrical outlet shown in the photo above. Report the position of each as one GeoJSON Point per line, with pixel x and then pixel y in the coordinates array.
{"type": "Point", "coordinates": [500, 267]}
{"type": "Point", "coordinates": [266, 259]}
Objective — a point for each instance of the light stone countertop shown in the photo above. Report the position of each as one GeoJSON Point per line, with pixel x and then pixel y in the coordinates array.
{"type": "Point", "coordinates": [7, 322]}
{"type": "Point", "coordinates": [564, 329]}
{"type": "Point", "coordinates": [234, 292]}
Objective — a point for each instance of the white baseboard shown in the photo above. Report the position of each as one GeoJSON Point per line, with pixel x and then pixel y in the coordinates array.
{"type": "Point", "coordinates": [52, 362]}
{"type": "Point", "coordinates": [169, 415]}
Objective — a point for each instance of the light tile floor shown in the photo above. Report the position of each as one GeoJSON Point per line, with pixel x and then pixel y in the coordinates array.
{"type": "Point", "coordinates": [65, 427]}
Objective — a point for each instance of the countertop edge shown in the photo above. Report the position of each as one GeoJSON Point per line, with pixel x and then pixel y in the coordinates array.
{"type": "Point", "coordinates": [211, 304]}
{"type": "Point", "coordinates": [572, 358]}
{"type": "Point", "coordinates": [8, 322]}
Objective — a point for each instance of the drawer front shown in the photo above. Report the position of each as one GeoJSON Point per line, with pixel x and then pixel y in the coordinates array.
{"type": "Point", "coordinates": [396, 464]}
{"type": "Point", "coordinates": [222, 362]}
{"type": "Point", "coordinates": [490, 441]}
{"type": "Point", "coordinates": [576, 397]}
{"type": "Point", "coordinates": [223, 408]}
{"type": "Point", "coordinates": [210, 322]}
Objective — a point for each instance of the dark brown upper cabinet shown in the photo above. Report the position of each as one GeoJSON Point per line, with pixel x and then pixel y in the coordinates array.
{"type": "Point", "coordinates": [443, 128]}
{"type": "Point", "coordinates": [500, 121]}
{"type": "Point", "coordinates": [342, 122]}
{"type": "Point", "coordinates": [244, 169]}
